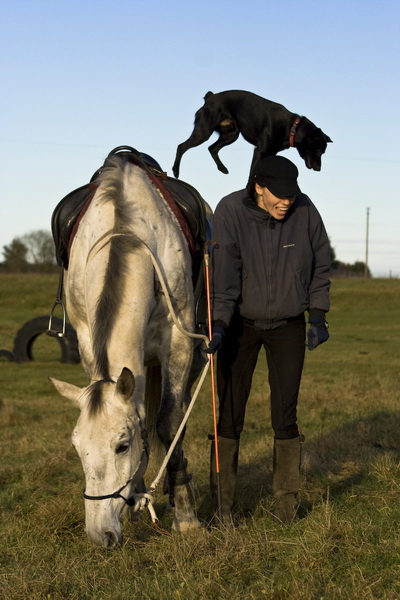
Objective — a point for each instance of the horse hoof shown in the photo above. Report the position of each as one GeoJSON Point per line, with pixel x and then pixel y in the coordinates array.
{"type": "Point", "coordinates": [185, 526]}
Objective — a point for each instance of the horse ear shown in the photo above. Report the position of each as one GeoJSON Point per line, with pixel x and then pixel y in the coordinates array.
{"type": "Point", "coordinates": [69, 391]}
{"type": "Point", "coordinates": [126, 384]}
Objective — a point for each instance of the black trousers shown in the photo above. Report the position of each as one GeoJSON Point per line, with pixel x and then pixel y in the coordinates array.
{"type": "Point", "coordinates": [236, 361]}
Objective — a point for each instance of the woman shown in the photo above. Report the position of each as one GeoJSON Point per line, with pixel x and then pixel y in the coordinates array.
{"type": "Point", "coordinates": [270, 264]}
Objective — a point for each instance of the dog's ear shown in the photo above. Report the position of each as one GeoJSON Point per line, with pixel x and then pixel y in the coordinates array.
{"type": "Point", "coordinates": [318, 134]}
{"type": "Point", "coordinates": [326, 137]}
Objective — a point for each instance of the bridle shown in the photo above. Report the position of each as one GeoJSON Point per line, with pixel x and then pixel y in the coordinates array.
{"type": "Point", "coordinates": [136, 477]}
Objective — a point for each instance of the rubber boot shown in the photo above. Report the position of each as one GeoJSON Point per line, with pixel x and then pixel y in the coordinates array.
{"type": "Point", "coordinates": [228, 454]}
{"type": "Point", "coordinates": [286, 478]}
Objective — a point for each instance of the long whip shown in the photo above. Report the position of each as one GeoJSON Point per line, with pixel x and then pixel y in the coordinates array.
{"type": "Point", "coordinates": [213, 395]}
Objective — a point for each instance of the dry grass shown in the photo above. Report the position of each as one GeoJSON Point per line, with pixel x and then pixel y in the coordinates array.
{"type": "Point", "coordinates": [346, 547]}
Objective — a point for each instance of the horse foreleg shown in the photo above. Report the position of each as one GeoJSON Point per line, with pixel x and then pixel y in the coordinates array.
{"type": "Point", "coordinates": [172, 410]}
{"type": "Point", "coordinates": [180, 489]}
{"type": "Point", "coordinates": [181, 494]}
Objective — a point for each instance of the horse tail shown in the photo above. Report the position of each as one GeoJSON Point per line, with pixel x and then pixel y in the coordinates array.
{"type": "Point", "coordinates": [152, 398]}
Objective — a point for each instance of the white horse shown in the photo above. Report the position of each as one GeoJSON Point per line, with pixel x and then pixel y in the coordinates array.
{"type": "Point", "coordinates": [123, 324]}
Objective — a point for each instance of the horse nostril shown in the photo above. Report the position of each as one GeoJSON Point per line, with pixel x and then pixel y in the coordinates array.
{"type": "Point", "coordinates": [111, 539]}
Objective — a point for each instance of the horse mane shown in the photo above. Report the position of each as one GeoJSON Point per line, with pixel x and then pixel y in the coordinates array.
{"type": "Point", "coordinates": [121, 246]}
{"type": "Point", "coordinates": [95, 398]}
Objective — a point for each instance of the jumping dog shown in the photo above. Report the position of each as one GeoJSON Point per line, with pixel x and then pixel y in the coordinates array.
{"type": "Point", "coordinates": [267, 125]}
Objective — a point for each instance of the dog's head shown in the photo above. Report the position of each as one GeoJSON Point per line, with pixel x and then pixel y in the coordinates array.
{"type": "Point", "coordinates": [312, 145]}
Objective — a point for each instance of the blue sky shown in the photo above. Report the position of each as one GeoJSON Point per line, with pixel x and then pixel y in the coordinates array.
{"type": "Point", "coordinates": [81, 77]}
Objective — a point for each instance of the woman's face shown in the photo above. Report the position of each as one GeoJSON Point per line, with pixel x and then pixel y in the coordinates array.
{"type": "Point", "coordinates": [276, 207]}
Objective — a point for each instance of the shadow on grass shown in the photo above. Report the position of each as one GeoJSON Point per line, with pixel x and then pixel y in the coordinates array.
{"type": "Point", "coordinates": [333, 464]}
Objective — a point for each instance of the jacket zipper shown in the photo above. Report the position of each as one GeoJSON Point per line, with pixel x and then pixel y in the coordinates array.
{"type": "Point", "coordinates": [270, 299]}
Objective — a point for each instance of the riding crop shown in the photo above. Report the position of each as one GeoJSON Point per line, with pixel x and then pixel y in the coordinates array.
{"type": "Point", "coordinates": [213, 395]}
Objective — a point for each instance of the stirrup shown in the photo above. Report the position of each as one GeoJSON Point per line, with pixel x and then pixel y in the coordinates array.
{"type": "Point", "coordinates": [50, 331]}
{"type": "Point", "coordinates": [53, 332]}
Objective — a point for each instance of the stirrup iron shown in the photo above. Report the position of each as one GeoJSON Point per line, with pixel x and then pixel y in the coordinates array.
{"type": "Point", "coordinates": [59, 302]}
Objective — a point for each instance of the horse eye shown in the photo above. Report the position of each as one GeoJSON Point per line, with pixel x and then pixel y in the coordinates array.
{"type": "Point", "coordinates": [122, 448]}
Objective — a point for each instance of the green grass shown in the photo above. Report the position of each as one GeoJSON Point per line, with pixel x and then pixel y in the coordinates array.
{"type": "Point", "coordinates": [346, 547]}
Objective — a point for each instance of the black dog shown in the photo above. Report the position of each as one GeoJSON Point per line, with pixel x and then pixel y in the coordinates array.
{"type": "Point", "coordinates": [269, 126]}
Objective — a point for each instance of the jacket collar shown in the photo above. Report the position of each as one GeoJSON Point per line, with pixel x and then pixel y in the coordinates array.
{"type": "Point", "coordinates": [257, 213]}
{"type": "Point", "coordinates": [261, 215]}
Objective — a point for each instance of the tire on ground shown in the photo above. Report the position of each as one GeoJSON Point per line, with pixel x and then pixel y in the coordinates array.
{"type": "Point", "coordinates": [7, 354]}
{"type": "Point", "coordinates": [28, 333]}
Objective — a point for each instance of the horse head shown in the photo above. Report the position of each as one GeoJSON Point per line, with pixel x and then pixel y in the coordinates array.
{"type": "Point", "coordinates": [111, 442]}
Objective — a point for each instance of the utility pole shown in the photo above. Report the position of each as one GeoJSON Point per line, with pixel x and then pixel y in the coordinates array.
{"type": "Point", "coordinates": [366, 247]}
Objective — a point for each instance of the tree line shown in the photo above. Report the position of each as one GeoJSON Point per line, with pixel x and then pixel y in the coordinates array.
{"type": "Point", "coordinates": [35, 251]}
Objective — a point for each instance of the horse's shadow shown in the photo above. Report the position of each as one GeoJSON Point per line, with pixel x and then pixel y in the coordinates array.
{"type": "Point", "coordinates": [333, 463]}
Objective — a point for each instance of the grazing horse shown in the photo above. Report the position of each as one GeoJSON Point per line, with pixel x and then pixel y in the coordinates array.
{"type": "Point", "coordinates": [140, 363]}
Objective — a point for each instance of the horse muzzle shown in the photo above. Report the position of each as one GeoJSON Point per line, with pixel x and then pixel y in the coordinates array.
{"type": "Point", "coordinates": [103, 527]}
{"type": "Point", "coordinates": [109, 539]}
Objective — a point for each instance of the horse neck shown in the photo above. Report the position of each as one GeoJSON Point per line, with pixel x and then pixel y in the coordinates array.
{"type": "Point", "coordinates": [115, 254]}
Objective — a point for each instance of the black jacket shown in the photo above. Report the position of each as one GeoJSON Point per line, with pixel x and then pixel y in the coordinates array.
{"type": "Point", "coordinates": [265, 269]}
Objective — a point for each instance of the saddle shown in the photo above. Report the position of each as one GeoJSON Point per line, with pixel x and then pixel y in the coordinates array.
{"type": "Point", "coordinates": [193, 214]}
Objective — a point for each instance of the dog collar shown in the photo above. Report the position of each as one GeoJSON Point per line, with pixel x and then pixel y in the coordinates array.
{"type": "Point", "coordinates": [293, 131]}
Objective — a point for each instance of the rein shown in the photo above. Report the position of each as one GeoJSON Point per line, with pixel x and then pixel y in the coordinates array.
{"type": "Point", "coordinates": [106, 238]}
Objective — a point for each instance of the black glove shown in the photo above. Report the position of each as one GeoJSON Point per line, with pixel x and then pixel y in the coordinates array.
{"type": "Point", "coordinates": [318, 331]}
{"type": "Point", "coordinates": [216, 340]}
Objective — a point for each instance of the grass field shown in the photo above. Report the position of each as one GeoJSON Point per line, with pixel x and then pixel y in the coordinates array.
{"type": "Point", "coordinates": [346, 547]}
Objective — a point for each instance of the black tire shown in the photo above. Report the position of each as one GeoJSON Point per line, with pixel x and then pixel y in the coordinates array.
{"type": "Point", "coordinates": [7, 354]}
{"type": "Point", "coordinates": [32, 329]}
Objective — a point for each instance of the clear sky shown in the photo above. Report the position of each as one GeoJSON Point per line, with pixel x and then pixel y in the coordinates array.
{"type": "Point", "coordinates": [80, 77]}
